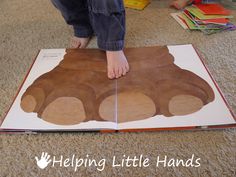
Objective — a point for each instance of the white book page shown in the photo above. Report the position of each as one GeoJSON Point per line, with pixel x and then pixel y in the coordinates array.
{"type": "Point", "coordinates": [214, 113]}
{"type": "Point", "coordinates": [18, 119]}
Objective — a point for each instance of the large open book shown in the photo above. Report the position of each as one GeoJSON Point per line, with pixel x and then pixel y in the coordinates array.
{"type": "Point", "coordinates": [168, 87]}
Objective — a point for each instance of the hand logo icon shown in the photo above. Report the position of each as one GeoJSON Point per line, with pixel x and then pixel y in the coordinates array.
{"type": "Point", "coordinates": [44, 161]}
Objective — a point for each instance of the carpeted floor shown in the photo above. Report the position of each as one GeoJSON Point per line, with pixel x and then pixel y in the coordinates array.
{"type": "Point", "coordinates": [27, 26]}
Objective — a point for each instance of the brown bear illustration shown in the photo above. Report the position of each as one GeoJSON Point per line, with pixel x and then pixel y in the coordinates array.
{"type": "Point", "coordinates": [78, 90]}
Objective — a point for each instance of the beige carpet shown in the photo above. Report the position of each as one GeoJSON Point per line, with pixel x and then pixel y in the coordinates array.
{"type": "Point", "coordinates": [27, 26]}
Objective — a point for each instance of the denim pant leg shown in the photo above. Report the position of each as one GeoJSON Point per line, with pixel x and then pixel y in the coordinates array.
{"type": "Point", "coordinates": [75, 13]}
{"type": "Point", "coordinates": [108, 21]}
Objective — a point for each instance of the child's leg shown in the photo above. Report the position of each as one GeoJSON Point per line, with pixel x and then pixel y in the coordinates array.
{"type": "Point", "coordinates": [75, 13]}
{"type": "Point", "coordinates": [108, 20]}
{"type": "Point", "coordinates": [180, 4]}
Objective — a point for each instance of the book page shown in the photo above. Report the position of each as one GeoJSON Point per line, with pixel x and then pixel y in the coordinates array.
{"type": "Point", "coordinates": [51, 118]}
{"type": "Point", "coordinates": [179, 94]}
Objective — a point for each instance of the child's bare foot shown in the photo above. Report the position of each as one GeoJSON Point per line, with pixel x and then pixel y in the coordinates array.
{"type": "Point", "coordinates": [180, 4]}
{"type": "Point", "coordinates": [117, 64]}
{"type": "Point", "coordinates": [78, 42]}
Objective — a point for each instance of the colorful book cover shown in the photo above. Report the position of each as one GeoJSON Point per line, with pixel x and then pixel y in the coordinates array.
{"type": "Point", "coordinates": [191, 25]}
{"type": "Point", "coordinates": [179, 20]}
{"type": "Point", "coordinates": [212, 9]}
{"type": "Point", "coordinates": [200, 24]}
{"type": "Point", "coordinates": [219, 21]}
{"type": "Point", "coordinates": [185, 20]}
{"type": "Point", "coordinates": [197, 13]}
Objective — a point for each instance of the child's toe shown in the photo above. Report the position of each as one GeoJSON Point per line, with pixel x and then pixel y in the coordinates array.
{"type": "Point", "coordinates": [111, 74]}
{"type": "Point", "coordinates": [116, 72]}
{"type": "Point", "coordinates": [76, 44]}
{"type": "Point", "coordinates": [127, 67]}
{"type": "Point", "coordinates": [124, 71]}
{"type": "Point", "coordinates": [120, 72]}
{"type": "Point", "coordinates": [82, 46]}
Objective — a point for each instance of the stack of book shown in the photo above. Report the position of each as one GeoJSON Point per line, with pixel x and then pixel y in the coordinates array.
{"type": "Point", "coordinates": [208, 18]}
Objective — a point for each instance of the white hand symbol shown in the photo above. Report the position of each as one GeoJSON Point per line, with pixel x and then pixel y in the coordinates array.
{"type": "Point", "coordinates": [44, 161]}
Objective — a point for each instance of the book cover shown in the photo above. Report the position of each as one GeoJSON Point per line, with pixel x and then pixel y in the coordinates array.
{"type": "Point", "coordinates": [176, 16]}
{"type": "Point", "coordinates": [212, 9]}
{"type": "Point", "coordinates": [197, 13]}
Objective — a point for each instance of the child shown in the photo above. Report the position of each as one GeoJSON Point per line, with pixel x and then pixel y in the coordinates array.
{"type": "Point", "coordinates": [180, 4]}
{"type": "Point", "coordinates": [105, 19]}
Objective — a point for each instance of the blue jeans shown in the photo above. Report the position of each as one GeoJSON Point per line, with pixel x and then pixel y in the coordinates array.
{"type": "Point", "coordinates": [104, 18]}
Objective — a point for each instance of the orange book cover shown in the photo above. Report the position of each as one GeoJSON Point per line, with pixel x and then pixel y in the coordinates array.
{"type": "Point", "coordinates": [212, 9]}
